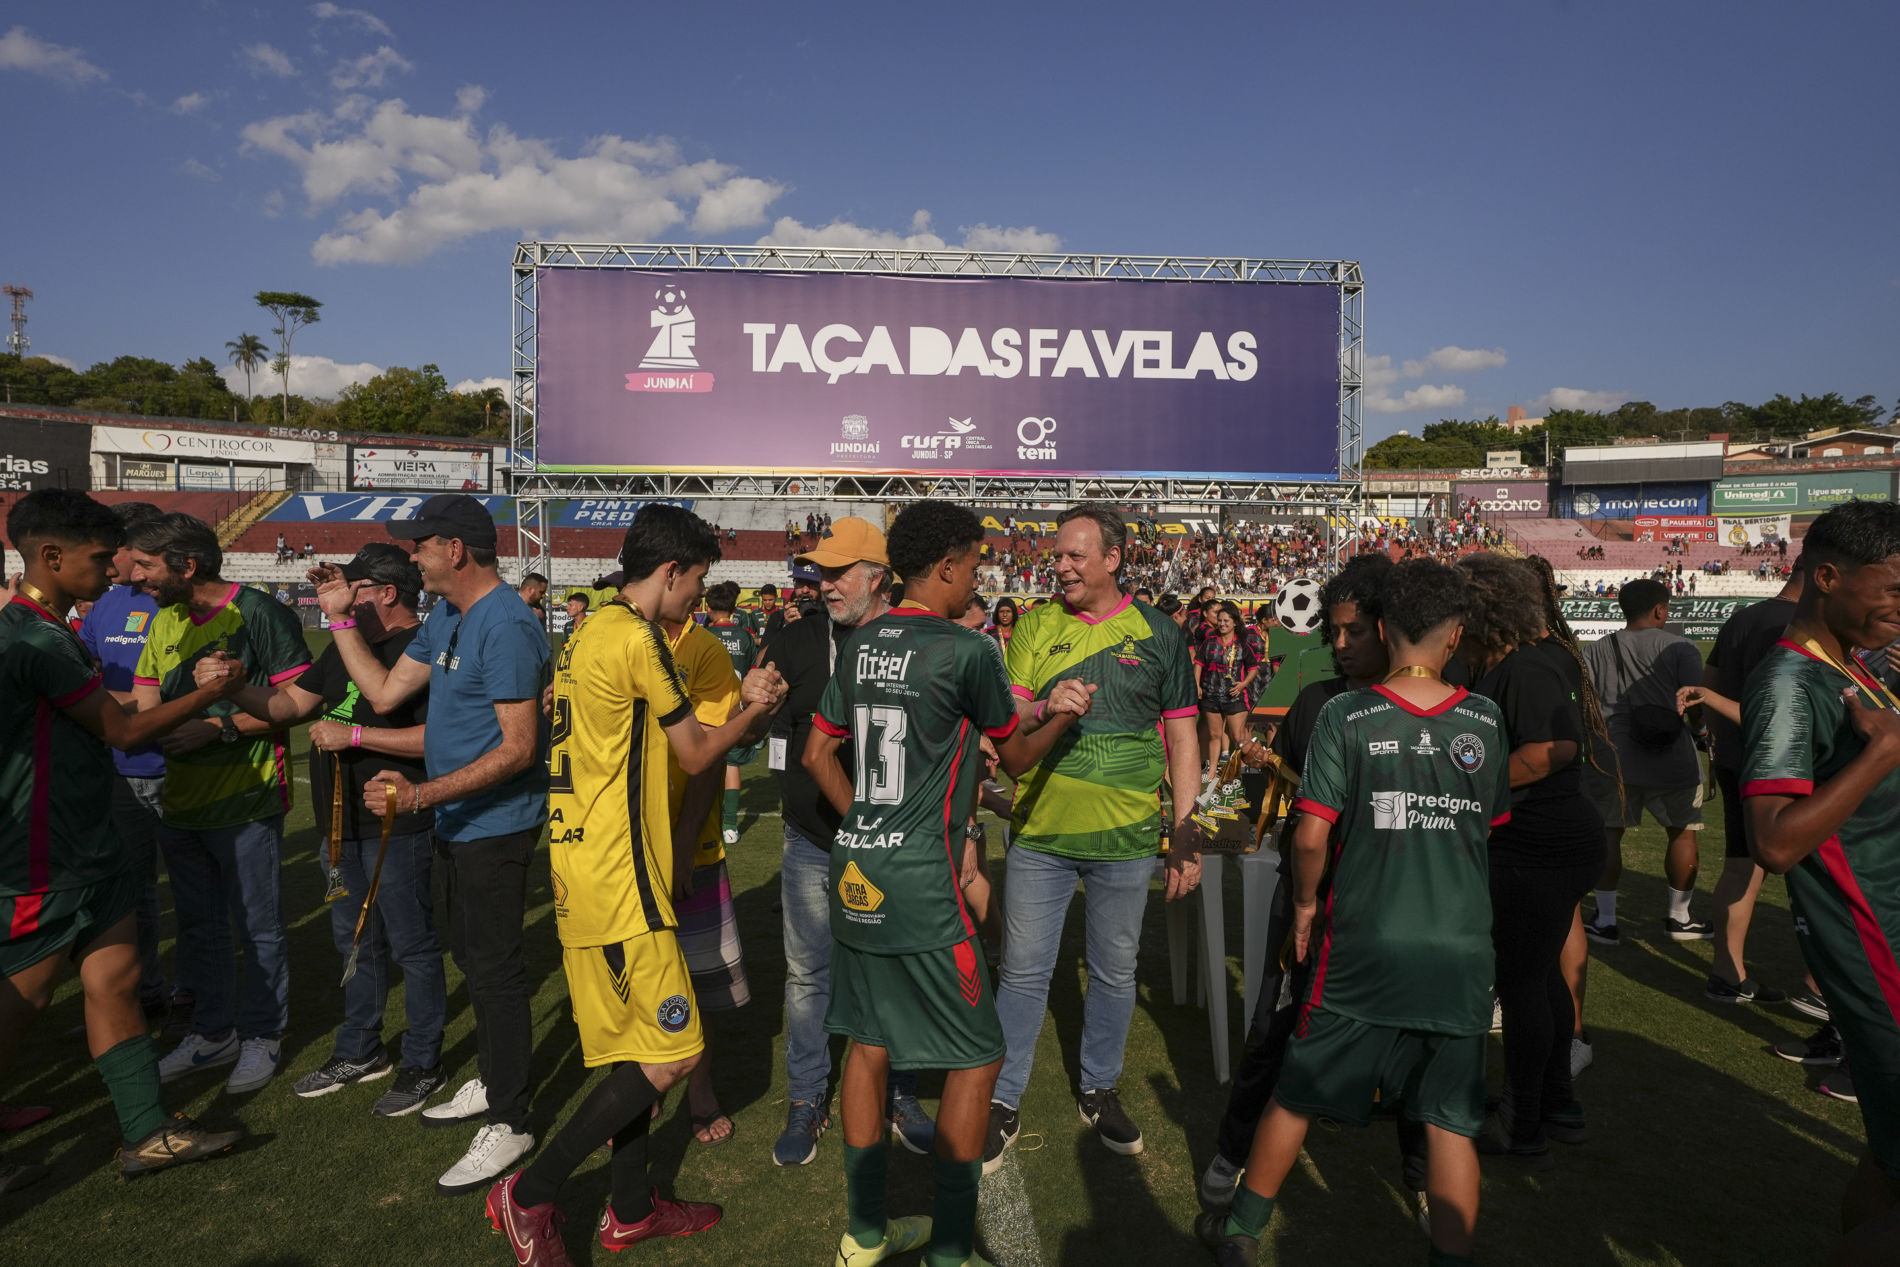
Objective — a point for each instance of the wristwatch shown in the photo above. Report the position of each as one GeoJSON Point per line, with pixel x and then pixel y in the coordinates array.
{"type": "Point", "coordinates": [227, 729]}
{"type": "Point", "coordinates": [973, 831]}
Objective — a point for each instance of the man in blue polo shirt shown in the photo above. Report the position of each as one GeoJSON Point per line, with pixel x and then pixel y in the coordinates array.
{"type": "Point", "coordinates": [484, 659]}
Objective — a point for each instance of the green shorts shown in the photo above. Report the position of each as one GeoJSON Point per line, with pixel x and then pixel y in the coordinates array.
{"type": "Point", "coordinates": [743, 756]}
{"type": "Point", "coordinates": [1873, 1041]}
{"type": "Point", "coordinates": [43, 924]}
{"type": "Point", "coordinates": [1339, 1068]}
{"type": "Point", "coordinates": [935, 1009]}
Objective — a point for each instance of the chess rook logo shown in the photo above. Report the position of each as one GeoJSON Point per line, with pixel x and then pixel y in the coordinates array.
{"type": "Point", "coordinates": [670, 364]}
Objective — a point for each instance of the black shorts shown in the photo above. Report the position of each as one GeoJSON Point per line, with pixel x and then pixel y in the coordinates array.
{"type": "Point", "coordinates": [1226, 706]}
{"type": "Point", "coordinates": [1734, 827]}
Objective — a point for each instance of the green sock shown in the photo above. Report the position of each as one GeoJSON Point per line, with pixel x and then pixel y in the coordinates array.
{"type": "Point", "coordinates": [131, 1073]}
{"type": "Point", "coordinates": [864, 1192]}
{"type": "Point", "coordinates": [729, 816]}
{"type": "Point", "coordinates": [1439, 1258]}
{"type": "Point", "coordinates": [1250, 1214]}
{"type": "Point", "coordinates": [953, 1213]}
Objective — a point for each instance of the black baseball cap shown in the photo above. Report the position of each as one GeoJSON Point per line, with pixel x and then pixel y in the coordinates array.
{"type": "Point", "coordinates": [384, 564]}
{"type": "Point", "coordinates": [448, 515]}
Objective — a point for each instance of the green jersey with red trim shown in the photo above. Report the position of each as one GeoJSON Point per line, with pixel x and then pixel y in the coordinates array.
{"type": "Point", "coordinates": [912, 691]}
{"type": "Point", "coordinates": [1846, 895]}
{"type": "Point", "coordinates": [55, 777]}
{"type": "Point", "coordinates": [1413, 794]}
{"type": "Point", "coordinates": [736, 637]}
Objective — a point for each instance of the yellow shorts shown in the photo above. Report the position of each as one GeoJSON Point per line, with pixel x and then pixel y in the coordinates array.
{"type": "Point", "coordinates": [633, 1000]}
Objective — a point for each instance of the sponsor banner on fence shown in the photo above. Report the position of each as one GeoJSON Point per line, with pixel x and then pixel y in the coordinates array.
{"type": "Point", "coordinates": [1755, 530]}
{"type": "Point", "coordinates": [1676, 528]}
{"type": "Point", "coordinates": [726, 371]}
{"type": "Point", "coordinates": [440, 470]}
{"type": "Point", "coordinates": [1627, 501]}
{"type": "Point", "coordinates": [609, 512]}
{"type": "Point", "coordinates": [1798, 494]}
{"type": "Point", "coordinates": [1515, 499]}
{"type": "Point", "coordinates": [202, 445]}
{"type": "Point", "coordinates": [43, 455]}
{"type": "Point", "coordinates": [202, 475]}
{"type": "Point", "coordinates": [1698, 618]}
{"type": "Point", "coordinates": [372, 507]}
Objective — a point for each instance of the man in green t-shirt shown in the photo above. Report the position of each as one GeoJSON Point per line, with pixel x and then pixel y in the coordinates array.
{"type": "Point", "coordinates": [69, 883]}
{"type": "Point", "coordinates": [1402, 785]}
{"type": "Point", "coordinates": [726, 623]}
{"type": "Point", "coordinates": [913, 691]}
{"type": "Point", "coordinates": [227, 789]}
{"type": "Point", "coordinates": [1089, 813]}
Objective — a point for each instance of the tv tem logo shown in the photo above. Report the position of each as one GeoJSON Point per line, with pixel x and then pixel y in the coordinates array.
{"type": "Point", "coordinates": [1036, 440]}
{"type": "Point", "coordinates": [856, 430]}
{"type": "Point", "coordinates": [670, 357]}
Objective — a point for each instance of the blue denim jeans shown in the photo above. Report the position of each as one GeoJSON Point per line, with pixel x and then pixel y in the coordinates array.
{"type": "Point", "coordinates": [804, 893]}
{"type": "Point", "coordinates": [227, 878]}
{"type": "Point", "coordinates": [1036, 892]}
{"type": "Point", "coordinates": [401, 930]}
{"type": "Point", "coordinates": [135, 804]}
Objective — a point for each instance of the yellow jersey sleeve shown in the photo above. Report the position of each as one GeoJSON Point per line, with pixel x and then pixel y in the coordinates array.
{"type": "Point", "coordinates": [713, 689]}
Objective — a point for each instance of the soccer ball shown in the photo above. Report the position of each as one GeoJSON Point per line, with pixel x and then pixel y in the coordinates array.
{"type": "Point", "coordinates": [670, 300]}
{"type": "Point", "coordinates": [1297, 606]}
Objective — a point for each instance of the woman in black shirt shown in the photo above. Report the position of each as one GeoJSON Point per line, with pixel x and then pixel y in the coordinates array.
{"type": "Point", "coordinates": [1542, 861]}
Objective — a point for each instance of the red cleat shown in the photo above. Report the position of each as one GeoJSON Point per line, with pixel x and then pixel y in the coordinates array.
{"type": "Point", "coordinates": [669, 1218]}
{"type": "Point", "coordinates": [15, 1117]}
{"type": "Point", "coordinates": [533, 1232]}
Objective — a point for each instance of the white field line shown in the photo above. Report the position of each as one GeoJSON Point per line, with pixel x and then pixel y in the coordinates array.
{"type": "Point", "coordinates": [1004, 1219]}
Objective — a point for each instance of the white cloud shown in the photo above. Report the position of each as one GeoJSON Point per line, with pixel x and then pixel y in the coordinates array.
{"type": "Point", "coordinates": [480, 384]}
{"type": "Point", "coordinates": [20, 50]}
{"type": "Point", "coordinates": [190, 103]}
{"type": "Point", "coordinates": [327, 11]}
{"type": "Point", "coordinates": [309, 376]}
{"type": "Point", "coordinates": [369, 70]}
{"type": "Point", "coordinates": [263, 59]}
{"type": "Point", "coordinates": [787, 231]}
{"type": "Point", "coordinates": [1578, 398]}
{"type": "Point", "coordinates": [58, 360]}
{"type": "Point", "coordinates": [1456, 360]}
{"type": "Point", "coordinates": [1424, 396]}
{"type": "Point", "coordinates": [195, 168]}
{"type": "Point", "coordinates": [1027, 239]}
{"type": "Point", "coordinates": [273, 204]}
{"type": "Point", "coordinates": [739, 202]}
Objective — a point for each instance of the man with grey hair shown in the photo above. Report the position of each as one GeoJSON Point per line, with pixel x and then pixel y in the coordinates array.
{"type": "Point", "coordinates": [853, 576]}
{"type": "Point", "coordinates": [1089, 814]}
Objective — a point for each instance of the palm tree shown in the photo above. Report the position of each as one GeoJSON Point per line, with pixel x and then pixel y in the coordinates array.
{"type": "Point", "coordinates": [247, 352]}
{"type": "Point", "coordinates": [491, 397]}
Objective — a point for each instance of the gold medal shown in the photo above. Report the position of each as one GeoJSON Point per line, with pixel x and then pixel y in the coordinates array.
{"type": "Point", "coordinates": [34, 593]}
{"type": "Point", "coordinates": [1413, 670]}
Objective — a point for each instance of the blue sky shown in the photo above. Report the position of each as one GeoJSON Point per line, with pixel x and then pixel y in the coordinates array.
{"type": "Point", "coordinates": [1553, 203]}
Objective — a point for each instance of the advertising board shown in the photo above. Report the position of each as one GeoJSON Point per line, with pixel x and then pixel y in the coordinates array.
{"type": "Point", "coordinates": [1627, 501]}
{"type": "Point", "coordinates": [1677, 528]}
{"type": "Point", "coordinates": [373, 507]}
{"type": "Point", "coordinates": [438, 470]}
{"type": "Point", "coordinates": [607, 512]}
{"type": "Point", "coordinates": [203, 445]}
{"type": "Point", "coordinates": [1755, 530]}
{"type": "Point", "coordinates": [1798, 494]}
{"type": "Point", "coordinates": [1514, 499]}
{"type": "Point", "coordinates": [728, 371]}
{"type": "Point", "coordinates": [43, 455]}
{"type": "Point", "coordinates": [1698, 618]}
{"type": "Point", "coordinates": [202, 475]}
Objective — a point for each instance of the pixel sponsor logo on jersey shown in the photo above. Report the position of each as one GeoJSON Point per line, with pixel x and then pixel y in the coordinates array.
{"type": "Point", "coordinates": [1409, 811]}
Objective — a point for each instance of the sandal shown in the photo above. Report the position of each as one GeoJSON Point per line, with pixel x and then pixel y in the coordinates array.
{"type": "Point", "coordinates": [702, 1128]}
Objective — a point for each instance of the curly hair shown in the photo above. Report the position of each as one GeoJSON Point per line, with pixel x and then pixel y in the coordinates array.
{"type": "Point", "coordinates": [927, 532]}
{"type": "Point", "coordinates": [1359, 582]}
{"type": "Point", "coordinates": [1507, 607]}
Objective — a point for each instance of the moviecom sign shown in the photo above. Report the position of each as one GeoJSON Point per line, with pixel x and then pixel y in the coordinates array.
{"type": "Point", "coordinates": [728, 371]}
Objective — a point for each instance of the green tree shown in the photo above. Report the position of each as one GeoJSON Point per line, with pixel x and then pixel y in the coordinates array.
{"type": "Point", "coordinates": [247, 352]}
{"type": "Point", "coordinates": [293, 311]}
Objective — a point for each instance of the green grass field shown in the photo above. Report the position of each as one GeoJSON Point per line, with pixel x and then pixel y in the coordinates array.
{"type": "Point", "coordinates": [1703, 1149]}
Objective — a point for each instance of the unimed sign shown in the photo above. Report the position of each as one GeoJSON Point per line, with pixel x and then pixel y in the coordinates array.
{"type": "Point", "coordinates": [731, 371]}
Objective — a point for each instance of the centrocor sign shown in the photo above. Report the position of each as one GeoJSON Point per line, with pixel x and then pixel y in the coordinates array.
{"type": "Point", "coordinates": [442, 470]}
{"type": "Point", "coordinates": [203, 445]}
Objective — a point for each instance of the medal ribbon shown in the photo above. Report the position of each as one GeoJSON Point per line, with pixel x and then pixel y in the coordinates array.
{"type": "Point", "coordinates": [375, 880]}
{"type": "Point", "coordinates": [1861, 681]}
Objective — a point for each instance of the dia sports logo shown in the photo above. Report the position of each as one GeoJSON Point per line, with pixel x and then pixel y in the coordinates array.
{"type": "Point", "coordinates": [670, 364]}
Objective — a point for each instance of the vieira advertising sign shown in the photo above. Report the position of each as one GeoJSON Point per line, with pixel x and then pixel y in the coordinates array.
{"type": "Point", "coordinates": [737, 371]}
{"type": "Point", "coordinates": [442, 470]}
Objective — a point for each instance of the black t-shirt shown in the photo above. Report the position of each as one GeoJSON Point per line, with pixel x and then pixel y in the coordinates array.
{"type": "Point", "coordinates": [1296, 728]}
{"type": "Point", "coordinates": [343, 703]}
{"type": "Point", "coordinates": [1744, 642]}
{"type": "Point", "coordinates": [804, 652]}
{"type": "Point", "coordinates": [1552, 824]}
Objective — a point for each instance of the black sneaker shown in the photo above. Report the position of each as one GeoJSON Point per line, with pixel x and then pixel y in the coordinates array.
{"type": "Point", "coordinates": [1821, 1049]}
{"type": "Point", "coordinates": [1005, 1122]}
{"type": "Point", "coordinates": [1690, 930]}
{"type": "Point", "coordinates": [1229, 1251]}
{"type": "Point", "coordinates": [178, 1140]}
{"type": "Point", "coordinates": [1103, 1110]}
{"type": "Point", "coordinates": [1564, 1123]}
{"type": "Point", "coordinates": [1839, 1085]}
{"type": "Point", "coordinates": [1603, 934]}
{"type": "Point", "coordinates": [338, 1073]}
{"type": "Point", "coordinates": [1747, 992]}
{"type": "Point", "coordinates": [413, 1085]}
{"type": "Point", "coordinates": [1494, 1140]}
{"type": "Point", "coordinates": [1809, 1002]}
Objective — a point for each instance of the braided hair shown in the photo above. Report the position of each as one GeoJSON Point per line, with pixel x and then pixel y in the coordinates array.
{"type": "Point", "coordinates": [1566, 637]}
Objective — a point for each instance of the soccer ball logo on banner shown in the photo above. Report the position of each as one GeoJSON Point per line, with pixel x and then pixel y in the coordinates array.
{"type": "Point", "coordinates": [1297, 606]}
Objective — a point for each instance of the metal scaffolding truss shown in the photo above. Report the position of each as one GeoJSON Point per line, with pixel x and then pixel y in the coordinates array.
{"type": "Point", "coordinates": [534, 488]}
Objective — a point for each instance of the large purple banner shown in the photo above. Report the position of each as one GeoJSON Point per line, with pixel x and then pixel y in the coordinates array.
{"type": "Point", "coordinates": [734, 371]}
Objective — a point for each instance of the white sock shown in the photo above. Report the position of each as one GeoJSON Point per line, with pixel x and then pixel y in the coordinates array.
{"type": "Point", "coordinates": [1606, 907]}
{"type": "Point", "coordinates": [1679, 904]}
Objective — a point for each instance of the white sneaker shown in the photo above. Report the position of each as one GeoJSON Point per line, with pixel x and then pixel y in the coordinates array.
{"type": "Point", "coordinates": [1497, 1017]}
{"type": "Point", "coordinates": [198, 1052]}
{"type": "Point", "coordinates": [730, 836]}
{"type": "Point", "coordinates": [1580, 1055]}
{"type": "Point", "coordinates": [469, 1100]}
{"type": "Point", "coordinates": [496, 1149]}
{"type": "Point", "coordinates": [256, 1065]}
{"type": "Point", "coordinates": [1218, 1182]}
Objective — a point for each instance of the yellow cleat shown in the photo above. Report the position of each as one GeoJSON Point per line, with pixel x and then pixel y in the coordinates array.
{"type": "Point", "coordinates": [900, 1237]}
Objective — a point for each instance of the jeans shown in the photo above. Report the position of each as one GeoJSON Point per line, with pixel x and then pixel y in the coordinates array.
{"type": "Point", "coordinates": [400, 930]}
{"type": "Point", "coordinates": [225, 878]}
{"type": "Point", "coordinates": [1035, 903]}
{"type": "Point", "coordinates": [487, 893]}
{"type": "Point", "coordinates": [1531, 909]}
{"type": "Point", "coordinates": [135, 804]}
{"type": "Point", "coordinates": [804, 893]}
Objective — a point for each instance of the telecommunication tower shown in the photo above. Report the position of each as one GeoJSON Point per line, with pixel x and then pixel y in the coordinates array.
{"type": "Point", "coordinates": [17, 341]}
